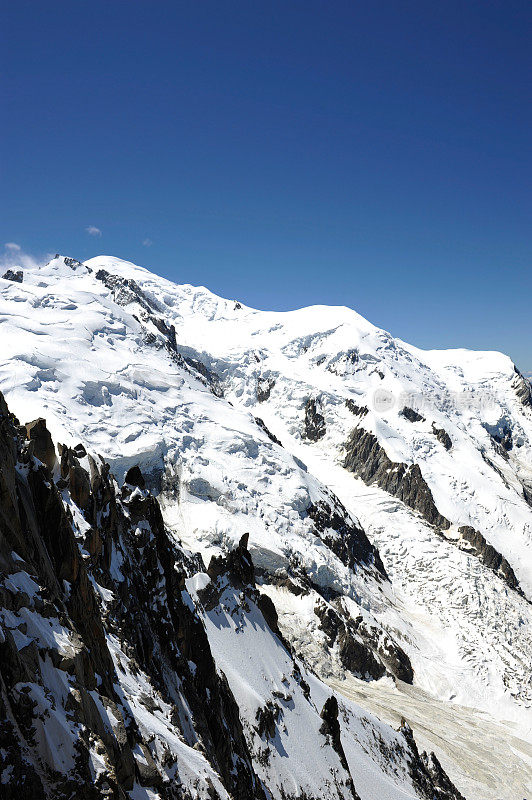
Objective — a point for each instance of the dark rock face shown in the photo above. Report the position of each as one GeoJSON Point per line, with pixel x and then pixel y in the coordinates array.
{"type": "Point", "coordinates": [134, 477]}
{"type": "Point", "coordinates": [43, 447]}
{"type": "Point", "coordinates": [487, 554]}
{"type": "Point", "coordinates": [506, 439]}
{"type": "Point", "coordinates": [527, 493]}
{"type": "Point", "coordinates": [342, 362]}
{"type": "Point", "coordinates": [358, 411]}
{"type": "Point", "coordinates": [12, 275]}
{"type": "Point", "coordinates": [330, 728]}
{"type": "Point", "coordinates": [125, 290]}
{"type": "Point", "coordinates": [314, 426]}
{"type": "Point", "coordinates": [269, 612]}
{"type": "Point", "coordinates": [264, 388]}
{"type": "Point", "coordinates": [523, 388]}
{"type": "Point", "coordinates": [171, 634]}
{"type": "Point", "coordinates": [260, 422]}
{"type": "Point", "coordinates": [426, 771]}
{"type": "Point", "coordinates": [237, 564]}
{"type": "Point", "coordinates": [501, 436]}
{"type": "Point", "coordinates": [368, 460]}
{"type": "Point", "coordinates": [211, 378]}
{"type": "Point", "coordinates": [346, 540]}
{"type": "Point", "coordinates": [75, 477]}
{"type": "Point", "coordinates": [73, 263]}
{"type": "Point", "coordinates": [411, 415]}
{"type": "Point", "coordinates": [355, 656]}
{"type": "Point", "coordinates": [442, 436]}
{"type": "Point", "coordinates": [267, 719]}
{"type": "Point", "coordinates": [362, 650]}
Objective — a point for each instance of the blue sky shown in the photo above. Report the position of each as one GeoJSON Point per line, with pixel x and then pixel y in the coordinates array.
{"type": "Point", "coordinates": [375, 155]}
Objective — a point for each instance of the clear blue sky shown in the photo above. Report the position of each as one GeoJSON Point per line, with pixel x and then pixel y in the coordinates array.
{"type": "Point", "coordinates": [373, 154]}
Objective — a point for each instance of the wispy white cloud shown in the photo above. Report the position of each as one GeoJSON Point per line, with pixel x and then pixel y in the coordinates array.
{"type": "Point", "coordinates": [14, 256]}
{"type": "Point", "coordinates": [92, 230]}
{"type": "Point", "coordinates": [147, 242]}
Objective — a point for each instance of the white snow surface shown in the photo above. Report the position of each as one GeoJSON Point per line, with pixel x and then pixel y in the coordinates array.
{"type": "Point", "coordinates": [96, 366]}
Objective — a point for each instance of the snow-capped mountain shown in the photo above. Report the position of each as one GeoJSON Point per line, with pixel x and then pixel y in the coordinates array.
{"type": "Point", "coordinates": [379, 495]}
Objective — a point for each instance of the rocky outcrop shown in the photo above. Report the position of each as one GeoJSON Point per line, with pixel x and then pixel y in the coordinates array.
{"type": "Point", "coordinates": [17, 276]}
{"type": "Point", "coordinates": [522, 388]}
{"type": "Point", "coordinates": [267, 718]}
{"type": "Point", "coordinates": [358, 411]}
{"type": "Point", "coordinates": [368, 460]}
{"type": "Point", "coordinates": [442, 436]}
{"type": "Point", "coordinates": [411, 415]}
{"type": "Point", "coordinates": [262, 425]}
{"type": "Point", "coordinates": [39, 556]}
{"type": "Point", "coordinates": [354, 655]}
{"type": "Point", "coordinates": [163, 630]}
{"type": "Point", "coordinates": [126, 291]}
{"type": "Point", "coordinates": [473, 541]}
{"type": "Point", "coordinates": [210, 377]}
{"type": "Point", "coordinates": [527, 493]}
{"type": "Point", "coordinates": [314, 425]}
{"type": "Point", "coordinates": [330, 728]}
{"type": "Point", "coordinates": [337, 530]}
{"type": "Point", "coordinates": [501, 436]}
{"type": "Point", "coordinates": [134, 477]}
{"type": "Point", "coordinates": [365, 652]}
{"type": "Point", "coordinates": [237, 565]}
{"type": "Point", "coordinates": [426, 771]}
{"type": "Point", "coordinates": [342, 362]}
{"type": "Point", "coordinates": [73, 263]}
{"type": "Point", "coordinates": [42, 446]}
{"type": "Point", "coordinates": [264, 388]}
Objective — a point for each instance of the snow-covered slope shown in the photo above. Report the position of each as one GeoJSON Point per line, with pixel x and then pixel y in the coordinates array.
{"type": "Point", "coordinates": [127, 671]}
{"type": "Point", "coordinates": [305, 430]}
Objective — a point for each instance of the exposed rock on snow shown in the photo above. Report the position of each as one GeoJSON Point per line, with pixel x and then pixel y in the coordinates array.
{"type": "Point", "coordinates": [488, 555]}
{"type": "Point", "coordinates": [442, 436]}
{"type": "Point", "coordinates": [314, 421]}
{"type": "Point", "coordinates": [411, 415]}
{"type": "Point", "coordinates": [358, 411]}
{"type": "Point", "coordinates": [343, 535]}
{"type": "Point", "coordinates": [13, 275]}
{"type": "Point", "coordinates": [522, 388]}
{"type": "Point", "coordinates": [43, 447]}
{"type": "Point", "coordinates": [367, 459]}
